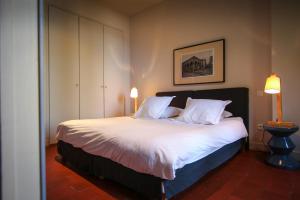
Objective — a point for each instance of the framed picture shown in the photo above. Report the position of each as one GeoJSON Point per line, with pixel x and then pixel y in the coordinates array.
{"type": "Point", "coordinates": [200, 63]}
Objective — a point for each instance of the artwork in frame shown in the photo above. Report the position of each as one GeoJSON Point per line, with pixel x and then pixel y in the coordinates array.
{"type": "Point", "coordinates": [200, 63]}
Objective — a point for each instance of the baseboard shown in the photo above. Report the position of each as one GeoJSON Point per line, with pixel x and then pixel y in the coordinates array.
{"type": "Point", "coordinates": [256, 146]}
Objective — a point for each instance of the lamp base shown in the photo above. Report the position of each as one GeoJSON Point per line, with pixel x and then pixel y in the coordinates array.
{"type": "Point", "coordinates": [281, 124]}
{"type": "Point", "coordinates": [135, 105]}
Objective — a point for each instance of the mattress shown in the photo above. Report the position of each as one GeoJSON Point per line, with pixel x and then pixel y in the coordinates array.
{"type": "Point", "coordinates": [156, 147]}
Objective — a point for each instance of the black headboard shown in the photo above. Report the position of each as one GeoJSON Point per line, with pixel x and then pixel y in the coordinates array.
{"type": "Point", "coordinates": [239, 97]}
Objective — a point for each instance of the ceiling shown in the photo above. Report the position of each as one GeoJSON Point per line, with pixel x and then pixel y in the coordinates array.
{"type": "Point", "coordinates": [131, 7]}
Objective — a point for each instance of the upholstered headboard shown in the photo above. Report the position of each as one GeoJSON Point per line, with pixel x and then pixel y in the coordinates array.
{"type": "Point", "coordinates": [239, 97]}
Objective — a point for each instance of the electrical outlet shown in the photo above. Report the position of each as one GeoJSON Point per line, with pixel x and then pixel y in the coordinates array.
{"type": "Point", "coordinates": [260, 127]}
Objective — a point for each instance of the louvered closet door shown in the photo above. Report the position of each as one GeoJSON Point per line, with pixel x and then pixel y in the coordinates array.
{"type": "Point", "coordinates": [91, 69]}
{"type": "Point", "coordinates": [116, 73]}
{"type": "Point", "coordinates": [63, 68]}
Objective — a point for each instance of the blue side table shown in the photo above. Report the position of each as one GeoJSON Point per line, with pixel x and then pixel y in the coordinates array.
{"type": "Point", "coordinates": [281, 146]}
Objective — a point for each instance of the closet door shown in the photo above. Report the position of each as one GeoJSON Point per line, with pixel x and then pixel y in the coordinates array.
{"type": "Point", "coordinates": [63, 68]}
{"type": "Point", "coordinates": [116, 72]}
{"type": "Point", "coordinates": [91, 69]}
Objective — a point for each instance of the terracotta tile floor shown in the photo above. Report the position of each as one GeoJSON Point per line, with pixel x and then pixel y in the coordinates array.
{"type": "Point", "coordinates": [244, 177]}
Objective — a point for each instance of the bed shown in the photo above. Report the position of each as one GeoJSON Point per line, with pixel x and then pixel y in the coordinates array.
{"type": "Point", "coordinates": [170, 171]}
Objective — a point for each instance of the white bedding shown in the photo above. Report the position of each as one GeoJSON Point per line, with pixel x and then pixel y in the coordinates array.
{"type": "Point", "coordinates": [156, 147]}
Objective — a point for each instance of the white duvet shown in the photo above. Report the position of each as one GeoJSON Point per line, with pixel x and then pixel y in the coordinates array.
{"type": "Point", "coordinates": [156, 147]}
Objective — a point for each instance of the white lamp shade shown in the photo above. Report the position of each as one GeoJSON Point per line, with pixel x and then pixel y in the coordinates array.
{"type": "Point", "coordinates": [272, 84]}
{"type": "Point", "coordinates": [134, 93]}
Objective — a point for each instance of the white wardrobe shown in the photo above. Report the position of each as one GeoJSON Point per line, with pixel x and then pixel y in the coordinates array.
{"type": "Point", "coordinates": [88, 76]}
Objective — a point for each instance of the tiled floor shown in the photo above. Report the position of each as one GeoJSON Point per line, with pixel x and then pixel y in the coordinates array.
{"type": "Point", "coordinates": [244, 177]}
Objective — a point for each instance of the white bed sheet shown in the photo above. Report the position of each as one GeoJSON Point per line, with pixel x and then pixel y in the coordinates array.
{"type": "Point", "coordinates": [157, 147]}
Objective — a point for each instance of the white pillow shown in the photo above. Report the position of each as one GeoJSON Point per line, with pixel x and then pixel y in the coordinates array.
{"type": "Point", "coordinates": [226, 114]}
{"type": "Point", "coordinates": [171, 112]}
{"type": "Point", "coordinates": [153, 107]}
{"type": "Point", "coordinates": [203, 111]}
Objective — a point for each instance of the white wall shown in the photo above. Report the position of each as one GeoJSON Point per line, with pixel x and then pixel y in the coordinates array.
{"type": "Point", "coordinates": [245, 25]}
{"type": "Point", "coordinates": [286, 58]}
{"type": "Point", "coordinates": [19, 100]}
{"type": "Point", "coordinates": [93, 9]}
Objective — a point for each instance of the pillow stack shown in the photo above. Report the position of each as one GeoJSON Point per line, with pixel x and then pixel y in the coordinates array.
{"type": "Point", "coordinates": [203, 111]}
{"type": "Point", "coordinates": [153, 107]}
{"type": "Point", "coordinates": [197, 111]}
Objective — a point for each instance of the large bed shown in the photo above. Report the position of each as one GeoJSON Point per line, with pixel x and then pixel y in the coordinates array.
{"type": "Point", "coordinates": [157, 158]}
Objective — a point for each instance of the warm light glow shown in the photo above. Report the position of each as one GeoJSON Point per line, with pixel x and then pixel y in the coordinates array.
{"type": "Point", "coordinates": [134, 93]}
{"type": "Point", "coordinates": [272, 84]}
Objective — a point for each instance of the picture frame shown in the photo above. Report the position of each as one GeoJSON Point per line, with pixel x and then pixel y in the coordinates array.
{"type": "Point", "coordinates": [200, 63]}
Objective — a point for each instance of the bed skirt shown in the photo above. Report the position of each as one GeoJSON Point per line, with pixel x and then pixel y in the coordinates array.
{"type": "Point", "coordinates": [147, 185]}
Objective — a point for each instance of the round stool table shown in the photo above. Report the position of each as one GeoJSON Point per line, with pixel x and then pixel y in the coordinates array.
{"type": "Point", "coordinates": [281, 146]}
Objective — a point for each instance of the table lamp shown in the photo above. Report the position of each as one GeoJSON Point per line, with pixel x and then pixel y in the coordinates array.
{"type": "Point", "coordinates": [280, 144]}
{"type": "Point", "coordinates": [134, 94]}
{"type": "Point", "coordinates": [273, 87]}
